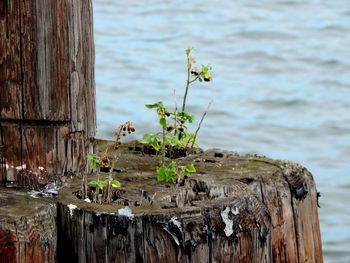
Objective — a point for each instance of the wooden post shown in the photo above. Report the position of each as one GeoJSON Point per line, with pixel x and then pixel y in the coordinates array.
{"type": "Point", "coordinates": [234, 209]}
{"type": "Point", "coordinates": [47, 88]}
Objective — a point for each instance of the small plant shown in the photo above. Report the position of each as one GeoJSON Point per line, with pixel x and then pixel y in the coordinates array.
{"type": "Point", "coordinates": [103, 187]}
{"type": "Point", "coordinates": [174, 132]}
{"type": "Point", "coordinates": [171, 172]}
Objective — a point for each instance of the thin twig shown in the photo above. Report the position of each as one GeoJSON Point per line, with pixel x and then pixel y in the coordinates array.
{"type": "Point", "coordinates": [193, 80]}
{"type": "Point", "coordinates": [200, 124]}
{"type": "Point", "coordinates": [152, 198]}
{"type": "Point", "coordinates": [110, 176]}
{"type": "Point", "coordinates": [175, 100]}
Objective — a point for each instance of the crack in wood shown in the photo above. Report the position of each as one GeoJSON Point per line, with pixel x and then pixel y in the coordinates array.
{"type": "Point", "coordinates": [38, 123]}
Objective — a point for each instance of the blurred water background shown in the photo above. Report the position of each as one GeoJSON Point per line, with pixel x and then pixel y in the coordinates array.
{"type": "Point", "coordinates": [281, 83]}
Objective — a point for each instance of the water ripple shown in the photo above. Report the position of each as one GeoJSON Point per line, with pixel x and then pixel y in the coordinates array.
{"type": "Point", "coordinates": [281, 82]}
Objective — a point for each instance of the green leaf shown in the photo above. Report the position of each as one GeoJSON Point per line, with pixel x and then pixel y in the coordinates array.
{"type": "Point", "coordinates": [172, 140]}
{"type": "Point", "coordinates": [163, 123]}
{"type": "Point", "coordinates": [146, 139]}
{"type": "Point", "coordinates": [155, 144]}
{"type": "Point", "coordinates": [93, 160]}
{"type": "Point", "coordinates": [189, 168]}
{"type": "Point", "coordinates": [115, 183]}
{"type": "Point", "coordinates": [188, 116]}
{"type": "Point", "coordinates": [99, 183]}
{"type": "Point", "coordinates": [170, 176]}
{"type": "Point", "coordinates": [152, 140]}
{"type": "Point", "coordinates": [93, 182]}
{"type": "Point", "coordinates": [168, 173]}
{"type": "Point", "coordinates": [161, 174]}
{"type": "Point", "coordinates": [172, 166]}
{"type": "Point", "coordinates": [205, 73]}
{"type": "Point", "coordinates": [188, 137]}
{"type": "Point", "coordinates": [206, 69]}
{"type": "Point", "coordinates": [155, 105]}
{"type": "Point", "coordinates": [102, 183]}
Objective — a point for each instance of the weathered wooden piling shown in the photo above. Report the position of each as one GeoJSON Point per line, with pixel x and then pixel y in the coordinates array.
{"type": "Point", "coordinates": [47, 100]}
{"type": "Point", "coordinates": [234, 209]}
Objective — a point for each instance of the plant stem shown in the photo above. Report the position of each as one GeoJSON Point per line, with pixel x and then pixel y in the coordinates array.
{"type": "Point", "coordinates": [163, 147]}
{"type": "Point", "coordinates": [175, 123]}
{"type": "Point", "coordinates": [200, 124]}
{"type": "Point", "coordinates": [188, 82]}
{"type": "Point", "coordinates": [98, 179]}
{"type": "Point", "coordinates": [110, 178]}
{"type": "Point", "coordinates": [193, 80]}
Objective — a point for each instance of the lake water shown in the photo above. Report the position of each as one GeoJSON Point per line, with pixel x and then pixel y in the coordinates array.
{"type": "Point", "coordinates": [281, 83]}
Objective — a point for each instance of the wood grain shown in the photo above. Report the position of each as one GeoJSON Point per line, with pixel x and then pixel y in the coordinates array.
{"type": "Point", "coordinates": [82, 75]}
{"type": "Point", "coordinates": [47, 84]}
{"type": "Point", "coordinates": [10, 60]}
{"type": "Point", "coordinates": [45, 61]}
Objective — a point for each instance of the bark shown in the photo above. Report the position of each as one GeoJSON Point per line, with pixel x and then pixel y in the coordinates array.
{"type": "Point", "coordinates": [47, 84]}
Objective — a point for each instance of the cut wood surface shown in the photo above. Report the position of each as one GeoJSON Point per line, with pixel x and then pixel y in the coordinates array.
{"type": "Point", "coordinates": [27, 228]}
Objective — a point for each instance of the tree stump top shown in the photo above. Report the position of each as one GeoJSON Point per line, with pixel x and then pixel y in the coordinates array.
{"type": "Point", "coordinates": [233, 209]}
{"type": "Point", "coordinates": [220, 174]}
{"type": "Point", "coordinates": [18, 203]}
